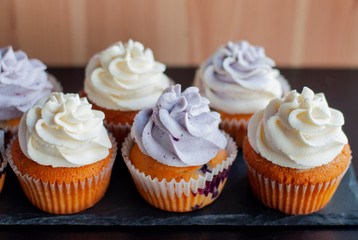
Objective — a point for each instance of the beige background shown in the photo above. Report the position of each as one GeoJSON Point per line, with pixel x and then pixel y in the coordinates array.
{"type": "Point", "coordinates": [184, 32]}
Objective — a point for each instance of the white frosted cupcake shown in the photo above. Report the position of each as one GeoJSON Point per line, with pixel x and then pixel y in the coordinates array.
{"type": "Point", "coordinates": [239, 80]}
{"type": "Point", "coordinates": [63, 155]}
{"type": "Point", "coordinates": [121, 80]}
{"type": "Point", "coordinates": [296, 152]}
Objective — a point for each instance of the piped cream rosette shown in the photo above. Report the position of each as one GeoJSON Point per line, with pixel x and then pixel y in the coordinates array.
{"type": "Point", "coordinates": [124, 77]}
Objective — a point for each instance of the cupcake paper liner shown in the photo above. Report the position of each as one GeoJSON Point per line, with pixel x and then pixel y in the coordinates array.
{"type": "Point", "coordinates": [62, 198]}
{"type": "Point", "coordinates": [119, 131]}
{"type": "Point", "coordinates": [289, 198]}
{"type": "Point", "coordinates": [10, 132]}
{"type": "Point", "coordinates": [181, 196]}
{"type": "Point", "coordinates": [236, 128]}
{"type": "Point", "coordinates": [2, 160]}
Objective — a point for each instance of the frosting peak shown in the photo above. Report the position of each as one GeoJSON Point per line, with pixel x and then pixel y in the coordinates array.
{"type": "Point", "coordinates": [241, 61]}
{"type": "Point", "coordinates": [180, 130]}
{"type": "Point", "coordinates": [125, 77]}
{"type": "Point", "coordinates": [62, 130]}
{"type": "Point", "coordinates": [239, 78]}
{"type": "Point", "coordinates": [22, 82]}
{"type": "Point", "coordinates": [300, 131]}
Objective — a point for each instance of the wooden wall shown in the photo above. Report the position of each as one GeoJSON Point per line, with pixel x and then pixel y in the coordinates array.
{"type": "Point", "coordinates": [184, 32]}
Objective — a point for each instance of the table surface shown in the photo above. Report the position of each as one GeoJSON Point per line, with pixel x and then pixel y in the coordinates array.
{"type": "Point", "coordinates": [339, 86]}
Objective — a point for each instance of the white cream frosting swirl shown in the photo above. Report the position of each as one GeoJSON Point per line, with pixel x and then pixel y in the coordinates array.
{"type": "Point", "coordinates": [299, 131]}
{"type": "Point", "coordinates": [61, 130]}
{"type": "Point", "coordinates": [125, 77]}
{"type": "Point", "coordinates": [239, 79]}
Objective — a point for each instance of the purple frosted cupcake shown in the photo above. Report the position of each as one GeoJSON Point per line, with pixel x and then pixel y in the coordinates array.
{"type": "Point", "coordinates": [239, 80]}
{"type": "Point", "coordinates": [23, 81]}
{"type": "Point", "coordinates": [178, 158]}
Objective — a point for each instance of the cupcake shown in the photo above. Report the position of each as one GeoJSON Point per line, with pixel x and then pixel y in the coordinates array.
{"type": "Point", "coordinates": [63, 155]}
{"type": "Point", "coordinates": [23, 81]}
{"type": "Point", "coordinates": [296, 152]}
{"type": "Point", "coordinates": [120, 81]}
{"type": "Point", "coordinates": [3, 161]}
{"type": "Point", "coordinates": [178, 158]}
{"type": "Point", "coordinates": [239, 80]}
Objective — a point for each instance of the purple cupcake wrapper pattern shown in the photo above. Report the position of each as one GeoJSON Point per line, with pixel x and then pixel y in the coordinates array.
{"type": "Point", "coordinates": [164, 188]}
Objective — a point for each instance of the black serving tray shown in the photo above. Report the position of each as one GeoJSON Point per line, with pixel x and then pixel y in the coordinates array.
{"type": "Point", "coordinates": [123, 206]}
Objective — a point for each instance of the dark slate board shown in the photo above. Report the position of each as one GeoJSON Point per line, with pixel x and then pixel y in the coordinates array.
{"type": "Point", "coordinates": [123, 206]}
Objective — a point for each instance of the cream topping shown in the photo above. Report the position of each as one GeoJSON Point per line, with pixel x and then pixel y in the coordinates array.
{"type": "Point", "coordinates": [299, 131]}
{"type": "Point", "coordinates": [239, 78]}
{"type": "Point", "coordinates": [125, 77]}
{"type": "Point", "coordinates": [61, 130]}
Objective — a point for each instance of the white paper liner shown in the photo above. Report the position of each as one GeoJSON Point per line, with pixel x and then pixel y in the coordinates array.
{"type": "Point", "coordinates": [2, 151]}
{"type": "Point", "coordinates": [236, 128]}
{"type": "Point", "coordinates": [234, 124]}
{"type": "Point", "coordinates": [10, 132]}
{"type": "Point", "coordinates": [65, 198]}
{"type": "Point", "coordinates": [289, 198]}
{"type": "Point", "coordinates": [119, 131]}
{"type": "Point", "coordinates": [163, 189]}
{"type": "Point", "coordinates": [4, 161]}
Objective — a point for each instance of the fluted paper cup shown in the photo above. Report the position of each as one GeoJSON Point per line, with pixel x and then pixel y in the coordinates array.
{"type": "Point", "coordinates": [289, 198]}
{"type": "Point", "coordinates": [62, 198]}
{"type": "Point", "coordinates": [119, 131]}
{"type": "Point", "coordinates": [236, 128]}
{"type": "Point", "coordinates": [181, 196]}
{"type": "Point", "coordinates": [3, 161]}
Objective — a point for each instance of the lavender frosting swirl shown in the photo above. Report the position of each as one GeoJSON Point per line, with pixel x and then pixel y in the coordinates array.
{"type": "Point", "coordinates": [239, 78]}
{"type": "Point", "coordinates": [180, 130]}
{"type": "Point", "coordinates": [23, 81]}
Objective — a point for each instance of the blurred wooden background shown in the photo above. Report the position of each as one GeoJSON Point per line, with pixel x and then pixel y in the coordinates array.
{"type": "Point", "coordinates": [313, 33]}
